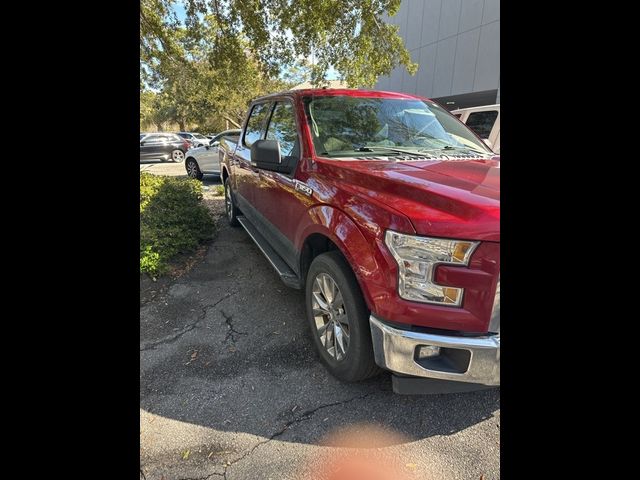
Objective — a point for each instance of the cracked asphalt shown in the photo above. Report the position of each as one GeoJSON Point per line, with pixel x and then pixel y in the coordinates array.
{"type": "Point", "coordinates": [230, 385]}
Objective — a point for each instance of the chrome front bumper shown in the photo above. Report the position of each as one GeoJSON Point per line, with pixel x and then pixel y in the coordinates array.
{"type": "Point", "coordinates": [475, 359]}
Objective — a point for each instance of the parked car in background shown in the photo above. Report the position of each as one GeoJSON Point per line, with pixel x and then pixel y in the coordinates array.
{"type": "Point", "coordinates": [485, 121]}
{"type": "Point", "coordinates": [385, 210]}
{"type": "Point", "coordinates": [196, 139]}
{"type": "Point", "coordinates": [205, 160]}
{"type": "Point", "coordinates": [234, 132]}
{"type": "Point", "coordinates": [163, 146]}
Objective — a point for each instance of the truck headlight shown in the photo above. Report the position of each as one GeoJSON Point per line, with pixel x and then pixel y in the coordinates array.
{"type": "Point", "coordinates": [417, 258]}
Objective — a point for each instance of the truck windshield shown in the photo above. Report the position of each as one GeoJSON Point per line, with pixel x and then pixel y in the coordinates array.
{"type": "Point", "coordinates": [346, 126]}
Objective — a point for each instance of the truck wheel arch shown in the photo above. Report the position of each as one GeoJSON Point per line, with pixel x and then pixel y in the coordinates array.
{"type": "Point", "coordinates": [332, 229]}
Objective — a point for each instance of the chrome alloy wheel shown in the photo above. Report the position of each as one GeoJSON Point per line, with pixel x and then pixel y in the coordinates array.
{"type": "Point", "coordinates": [330, 316]}
{"type": "Point", "coordinates": [177, 156]}
{"type": "Point", "coordinates": [192, 169]}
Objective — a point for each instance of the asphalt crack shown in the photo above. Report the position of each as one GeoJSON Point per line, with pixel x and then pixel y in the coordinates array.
{"type": "Point", "coordinates": [306, 415]}
{"type": "Point", "coordinates": [172, 338]}
{"type": "Point", "coordinates": [232, 331]}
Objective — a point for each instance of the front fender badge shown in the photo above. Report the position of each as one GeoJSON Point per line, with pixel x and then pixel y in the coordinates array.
{"type": "Point", "coordinates": [304, 188]}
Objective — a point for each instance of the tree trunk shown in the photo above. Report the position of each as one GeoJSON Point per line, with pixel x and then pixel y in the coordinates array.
{"type": "Point", "coordinates": [182, 126]}
{"type": "Point", "coordinates": [236, 124]}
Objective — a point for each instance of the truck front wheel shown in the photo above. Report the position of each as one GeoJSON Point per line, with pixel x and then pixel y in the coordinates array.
{"type": "Point", "coordinates": [339, 319]}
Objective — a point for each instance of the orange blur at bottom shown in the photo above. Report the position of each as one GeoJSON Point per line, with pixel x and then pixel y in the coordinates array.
{"type": "Point", "coordinates": [358, 453]}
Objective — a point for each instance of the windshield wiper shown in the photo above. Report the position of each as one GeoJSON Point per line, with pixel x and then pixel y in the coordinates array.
{"type": "Point", "coordinates": [449, 147]}
{"type": "Point", "coordinates": [389, 149]}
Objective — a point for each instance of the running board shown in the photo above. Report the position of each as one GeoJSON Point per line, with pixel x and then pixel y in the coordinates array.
{"type": "Point", "coordinates": [288, 276]}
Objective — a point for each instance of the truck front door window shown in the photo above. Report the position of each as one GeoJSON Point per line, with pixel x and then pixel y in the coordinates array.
{"type": "Point", "coordinates": [256, 123]}
{"type": "Point", "coordinates": [282, 127]}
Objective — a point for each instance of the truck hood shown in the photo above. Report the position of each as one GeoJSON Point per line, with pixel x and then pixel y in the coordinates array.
{"type": "Point", "coordinates": [446, 197]}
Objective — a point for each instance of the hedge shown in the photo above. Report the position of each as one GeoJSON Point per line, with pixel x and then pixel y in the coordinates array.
{"type": "Point", "coordinates": [173, 220]}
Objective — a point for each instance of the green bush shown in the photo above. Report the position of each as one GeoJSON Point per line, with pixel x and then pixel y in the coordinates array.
{"type": "Point", "coordinates": [173, 220]}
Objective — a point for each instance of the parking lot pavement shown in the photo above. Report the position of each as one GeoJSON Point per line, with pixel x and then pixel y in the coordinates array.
{"type": "Point", "coordinates": [231, 386]}
{"type": "Point", "coordinates": [163, 168]}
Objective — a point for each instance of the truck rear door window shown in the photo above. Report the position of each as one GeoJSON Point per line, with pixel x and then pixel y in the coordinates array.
{"type": "Point", "coordinates": [256, 123]}
{"type": "Point", "coordinates": [482, 122]}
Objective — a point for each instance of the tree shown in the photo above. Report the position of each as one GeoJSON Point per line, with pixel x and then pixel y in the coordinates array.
{"type": "Point", "coordinates": [348, 35]}
{"type": "Point", "coordinates": [299, 72]}
{"type": "Point", "coordinates": [156, 110]}
{"type": "Point", "coordinates": [205, 71]}
{"type": "Point", "coordinates": [146, 107]}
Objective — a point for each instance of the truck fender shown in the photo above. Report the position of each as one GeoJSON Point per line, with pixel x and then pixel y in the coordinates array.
{"type": "Point", "coordinates": [336, 225]}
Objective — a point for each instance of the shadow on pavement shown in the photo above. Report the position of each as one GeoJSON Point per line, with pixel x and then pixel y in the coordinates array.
{"type": "Point", "coordinates": [229, 348]}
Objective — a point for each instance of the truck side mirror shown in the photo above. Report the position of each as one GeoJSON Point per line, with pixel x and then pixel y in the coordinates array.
{"type": "Point", "coordinates": [265, 154]}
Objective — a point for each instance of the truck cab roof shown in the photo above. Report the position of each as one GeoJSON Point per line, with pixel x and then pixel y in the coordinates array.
{"type": "Point", "coordinates": [349, 92]}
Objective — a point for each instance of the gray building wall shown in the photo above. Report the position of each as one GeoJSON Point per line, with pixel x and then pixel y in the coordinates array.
{"type": "Point", "coordinates": [457, 45]}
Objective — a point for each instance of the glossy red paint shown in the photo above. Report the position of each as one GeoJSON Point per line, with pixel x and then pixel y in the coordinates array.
{"type": "Point", "coordinates": [452, 199]}
{"type": "Point", "coordinates": [355, 201]}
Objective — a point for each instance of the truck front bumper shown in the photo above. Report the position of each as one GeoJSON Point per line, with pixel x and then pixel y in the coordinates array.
{"type": "Point", "coordinates": [461, 359]}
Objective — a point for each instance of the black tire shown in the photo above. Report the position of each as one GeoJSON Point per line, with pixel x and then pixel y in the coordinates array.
{"type": "Point", "coordinates": [230, 205]}
{"type": "Point", "coordinates": [358, 362]}
{"type": "Point", "coordinates": [193, 169]}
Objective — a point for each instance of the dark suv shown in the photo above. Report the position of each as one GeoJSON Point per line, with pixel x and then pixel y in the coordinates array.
{"type": "Point", "coordinates": [163, 146]}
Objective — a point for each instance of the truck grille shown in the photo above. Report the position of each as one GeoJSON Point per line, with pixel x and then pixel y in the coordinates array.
{"type": "Point", "coordinates": [494, 324]}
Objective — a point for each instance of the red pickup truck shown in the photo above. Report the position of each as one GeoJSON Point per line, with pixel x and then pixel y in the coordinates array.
{"type": "Point", "coordinates": [385, 209]}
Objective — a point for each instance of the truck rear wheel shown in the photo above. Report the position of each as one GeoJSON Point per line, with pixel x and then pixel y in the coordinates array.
{"type": "Point", "coordinates": [339, 319]}
{"type": "Point", "coordinates": [230, 205]}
